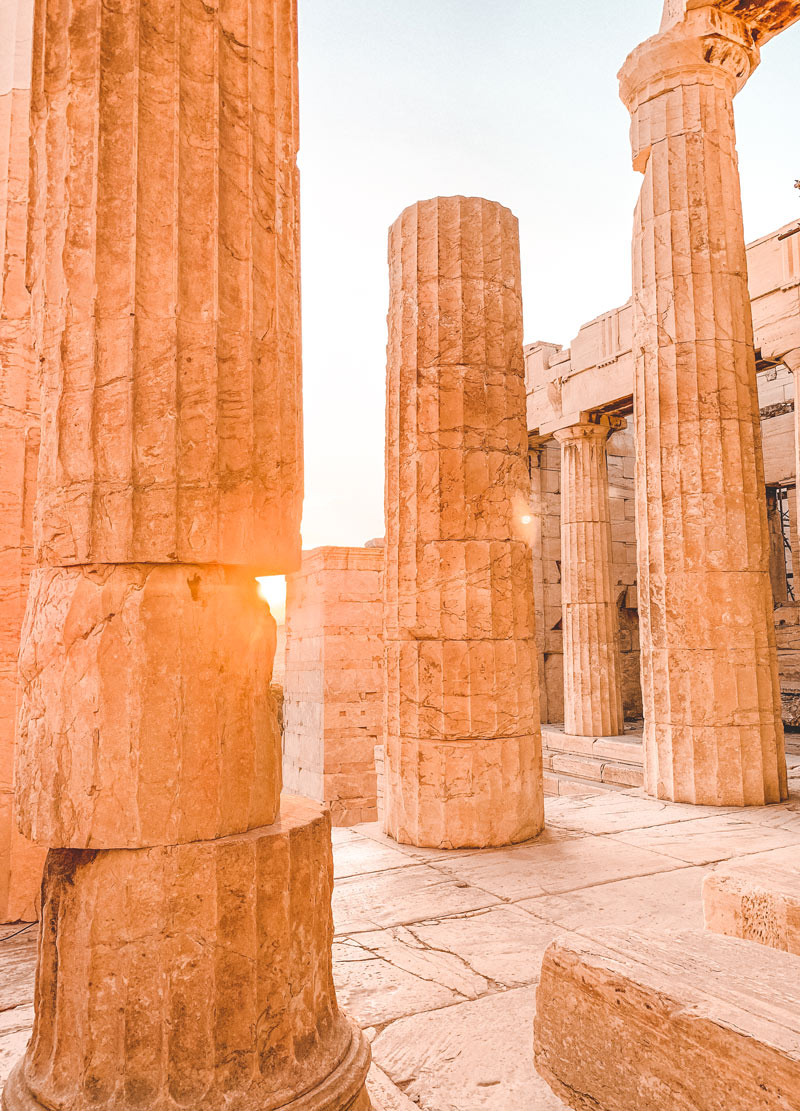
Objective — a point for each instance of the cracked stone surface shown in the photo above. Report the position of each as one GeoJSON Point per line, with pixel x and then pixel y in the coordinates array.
{"type": "Point", "coordinates": [185, 954]}
{"type": "Point", "coordinates": [462, 730]}
{"type": "Point", "coordinates": [20, 862]}
{"type": "Point", "coordinates": [437, 955]}
{"type": "Point", "coordinates": [712, 707]}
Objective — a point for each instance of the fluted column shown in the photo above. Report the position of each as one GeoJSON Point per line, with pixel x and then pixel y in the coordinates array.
{"type": "Point", "coordinates": [185, 957]}
{"type": "Point", "coordinates": [792, 361]}
{"type": "Point", "coordinates": [592, 688]}
{"type": "Point", "coordinates": [463, 741]}
{"type": "Point", "coordinates": [713, 730]}
{"type": "Point", "coordinates": [20, 861]}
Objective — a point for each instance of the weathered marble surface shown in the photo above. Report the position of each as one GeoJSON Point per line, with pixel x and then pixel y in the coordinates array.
{"type": "Point", "coordinates": [165, 181]}
{"type": "Point", "coordinates": [20, 862]}
{"type": "Point", "coordinates": [712, 711]}
{"type": "Point", "coordinates": [146, 717]}
{"type": "Point", "coordinates": [216, 954]}
{"type": "Point", "coordinates": [441, 972]}
{"type": "Point", "coordinates": [757, 899]}
{"type": "Point", "coordinates": [592, 669]}
{"type": "Point", "coordinates": [463, 746]}
{"type": "Point", "coordinates": [684, 1020]}
{"type": "Point", "coordinates": [333, 682]}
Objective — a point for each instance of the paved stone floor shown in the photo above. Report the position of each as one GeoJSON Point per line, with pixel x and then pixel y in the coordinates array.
{"type": "Point", "coordinates": [437, 954]}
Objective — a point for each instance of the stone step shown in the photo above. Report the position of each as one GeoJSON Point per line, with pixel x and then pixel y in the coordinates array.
{"type": "Point", "coordinates": [595, 768]}
{"type": "Point", "coordinates": [628, 1020]}
{"type": "Point", "coordinates": [757, 900]}
{"type": "Point", "coordinates": [556, 783]}
{"type": "Point", "coordinates": [627, 748]}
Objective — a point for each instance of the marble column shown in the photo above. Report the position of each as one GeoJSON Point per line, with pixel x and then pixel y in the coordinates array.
{"type": "Point", "coordinates": [20, 861]}
{"type": "Point", "coordinates": [713, 731]}
{"type": "Point", "coordinates": [792, 361]}
{"type": "Point", "coordinates": [185, 956]}
{"type": "Point", "coordinates": [592, 678]}
{"type": "Point", "coordinates": [537, 496]}
{"type": "Point", "coordinates": [463, 740]}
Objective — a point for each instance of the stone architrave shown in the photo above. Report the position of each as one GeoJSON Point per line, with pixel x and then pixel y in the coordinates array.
{"type": "Point", "coordinates": [185, 957]}
{"type": "Point", "coordinates": [712, 730]}
{"type": "Point", "coordinates": [463, 740]}
{"type": "Point", "coordinates": [592, 680]}
{"type": "Point", "coordinates": [20, 861]}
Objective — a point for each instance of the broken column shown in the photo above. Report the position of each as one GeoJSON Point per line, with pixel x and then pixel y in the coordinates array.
{"type": "Point", "coordinates": [20, 861]}
{"type": "Point", "coordinates": [186, 923]}
{"type": "Point", "coordinates": [712, 710]}
{"type": "Point", "coordinates": [463, 742]}
{"type": "Point", "coordinates": [592, 687]}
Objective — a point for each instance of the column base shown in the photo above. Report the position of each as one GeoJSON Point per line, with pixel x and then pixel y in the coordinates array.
{"type": "Point", "coordinates": [195, 976]}
{"type": "Point", "coordinates": [464, 794]}
{"type": "Point", "coordinates": [335, 1093]}
{"type": "Point", "coordinates": [710, 766]}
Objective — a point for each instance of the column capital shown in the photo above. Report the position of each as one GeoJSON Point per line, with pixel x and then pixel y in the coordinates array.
{"type": "Point", "coordinates": [591, 425]}
{"type": "Point", "coordinates": [706, 46]}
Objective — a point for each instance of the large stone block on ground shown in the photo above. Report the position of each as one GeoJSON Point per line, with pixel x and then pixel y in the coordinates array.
{"type": "Point", "coordinates": [757, 899]}
{"type": "Point", "coordinates": [146, 716]}
{"type": "Point", "coordinates": [688, 1021]}
{"type": "Point", "coordinates": [193, 976]}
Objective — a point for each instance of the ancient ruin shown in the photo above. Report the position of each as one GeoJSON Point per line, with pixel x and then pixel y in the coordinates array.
{"type": "Point", "coordinates": [463, 746]}
{"type": "Point", "coordinates": [20, 862]}
{"type": "Point", "coordinates": [333, 682]}
{"type": "Point", "coordinates": [186, 924]}
{"type": "Point", "coordinates": [541, 732]}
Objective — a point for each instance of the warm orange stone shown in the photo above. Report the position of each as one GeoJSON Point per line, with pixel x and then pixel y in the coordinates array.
{"type": "Point", "coordinates": [185, 956]}
{"type": "Point", "coordinates": [592, 671]}
{"type": "Point", "coordinates": [146, 717]}
{"type": "Point", "coordinates": [192, 976]}
{"type": "Point", "coordinates": [712, 710]}
{"type": "Point", "coordinates": [20, 862]}
{"type": "Point", "coordinates": [167, 185]}
{"type": "Point", "coordinates": [463, 744]}
{"type": "Point", "coordinates": [333, 683]}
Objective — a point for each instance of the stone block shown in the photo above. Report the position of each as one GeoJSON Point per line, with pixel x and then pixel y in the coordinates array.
{"type": "Point", "coordinates": [146, 716]}
{"type": "Point", "coordinates": [334, 678]}
{"type": "Point", "coordinates": [210, 962]}
{"type": "Point", "coordinates": [757, 899]}
{"type": "Point", "coordinates": [629, 1020]}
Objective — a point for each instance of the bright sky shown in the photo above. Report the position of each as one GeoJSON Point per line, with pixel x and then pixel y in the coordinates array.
{"type": "Point", "coordinates": [514, 100]}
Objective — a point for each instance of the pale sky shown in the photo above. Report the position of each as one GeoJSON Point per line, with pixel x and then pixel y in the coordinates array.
{"type": "Point", "coordinates": [514, 100]}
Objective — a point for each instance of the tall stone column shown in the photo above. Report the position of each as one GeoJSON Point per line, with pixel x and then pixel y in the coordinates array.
{"type": "Point", "coordinates": [792, 361]}
{"type": "Point", "coordinates": [592, 681]}
{"type": "Point", "coordinates": [186, 922]}
{"type": "Point", "coordinates": [713, 730]}
{"type": "Point", "coordinates": [463, 741]}
{"type": "Point", "coordinates": [20, 861]}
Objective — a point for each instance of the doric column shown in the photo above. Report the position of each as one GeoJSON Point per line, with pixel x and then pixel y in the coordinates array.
{"type": "Point", "coordinates": [463, 742]}
{"type": "Point", "coordinates": [592, 689]}
{"type": "Point", "coordinates": [537, 500]}
{"type": "Point", "coordinates": [792, 361]}
{"type": "Point", "coordinates": [20, 861]}
{"type": "Point", "coordinates": [185, 953]}
{"type": "Point", "coordinates": [713, 730]}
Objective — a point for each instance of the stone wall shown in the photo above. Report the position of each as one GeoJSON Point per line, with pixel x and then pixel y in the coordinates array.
{"type": "Point", "coordinates": [333, 686]}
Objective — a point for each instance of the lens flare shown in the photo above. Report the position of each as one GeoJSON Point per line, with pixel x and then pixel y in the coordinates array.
{"type": "Point", "coordinates": [272, 588]}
